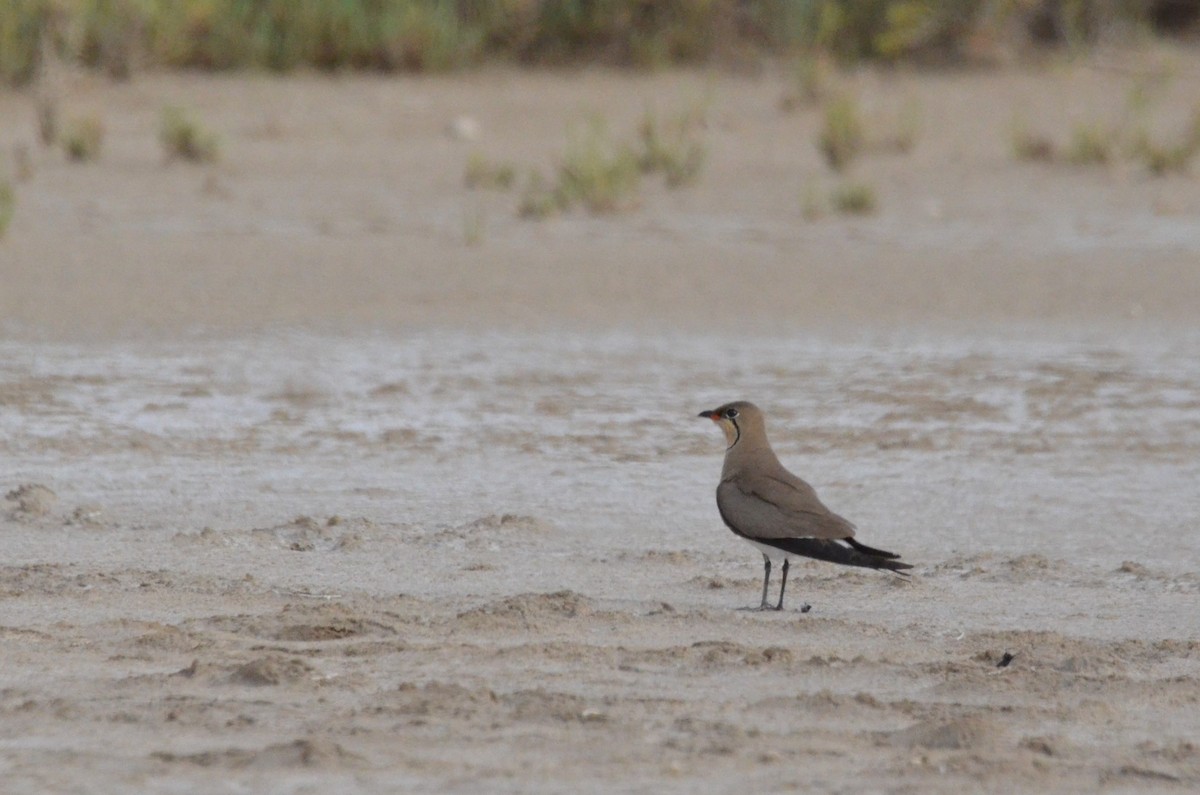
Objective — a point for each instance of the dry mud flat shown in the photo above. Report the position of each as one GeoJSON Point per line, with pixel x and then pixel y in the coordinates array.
{"type": "Point", "coordinates": [454, 562]}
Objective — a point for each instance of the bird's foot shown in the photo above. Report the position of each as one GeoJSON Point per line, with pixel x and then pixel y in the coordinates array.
{"type": "Point", "coordinates": [764, 608]}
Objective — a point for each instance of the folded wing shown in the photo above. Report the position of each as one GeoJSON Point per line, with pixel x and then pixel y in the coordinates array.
{"type": "Point", "coordinates": [767, 507]}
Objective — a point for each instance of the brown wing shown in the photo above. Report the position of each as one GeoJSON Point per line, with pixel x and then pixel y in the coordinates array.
{"type": "Point", "coordinates": [765, 506]}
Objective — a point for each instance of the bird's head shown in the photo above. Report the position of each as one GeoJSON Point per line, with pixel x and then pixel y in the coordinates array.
{"type": "Point", "coordinates": [735, 418]}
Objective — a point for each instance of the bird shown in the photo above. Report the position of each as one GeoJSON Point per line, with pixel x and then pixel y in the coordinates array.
{"type": "Point", "coordinates": [765, 504]}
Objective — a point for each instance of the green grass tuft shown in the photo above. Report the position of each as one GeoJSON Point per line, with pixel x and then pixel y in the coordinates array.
{"type": "Point", "coordinates": [812, 76]}
{"type": "Point", "coordinates": [841, 137]}
{"type": "Point", "coordinates": [1091, 144]}
{"type": "Point", "coordinates": [853, 198]}
{"type": "Point", "coordinates": [47, 116]}
{"type": "Point", "coordinates": [603, 175]}
{"type": "Point", "coordinates": [1174, 157]}
{"type": "Point", "coordinates": [8, 205]}
{"type": "Point", "coordinates": [82, 138]}
{"type": "Point", "coordinates": [483, 173]}
{"type": "Point", "coordinates": [538, 199]}
{"type": "Point", "coordinates": [673, 149]}
{"type": "Point", "coordinates": [183, 137]}
{"type": "Point", "coordinates": [597, 173]}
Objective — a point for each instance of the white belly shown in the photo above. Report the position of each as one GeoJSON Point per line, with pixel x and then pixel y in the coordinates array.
{"type": "Point", "coordinates": [774, 553]}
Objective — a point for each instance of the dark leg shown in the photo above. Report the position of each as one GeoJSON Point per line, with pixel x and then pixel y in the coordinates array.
{"type": "Point", "coordinates": [804, 608]}
{"type": "Point", "coordinates": [766, 580]}
{"type": "Point", "coordinates": [782, 585]}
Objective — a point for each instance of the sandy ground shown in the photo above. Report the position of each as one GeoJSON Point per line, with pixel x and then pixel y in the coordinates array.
{"type": "Point", "coordinates": [309, 491]}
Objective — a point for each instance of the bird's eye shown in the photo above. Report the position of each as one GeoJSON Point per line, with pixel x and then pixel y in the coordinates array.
{"type": "Point", "coordinates": [731, 413]}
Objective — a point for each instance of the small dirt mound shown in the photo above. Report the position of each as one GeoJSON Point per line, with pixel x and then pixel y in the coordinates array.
{"type": "Point", "coordinates": [526, 611]}
{"type": "Point", "coordinates": [444, 699]}
{"type": "Point", "coordinates": [33, 501]}
{"type": "Point", "coordinates": [955, 734]}
{"type": "Point", "coordinates": [298, 753]}
{"type": "Point", "coordinates": [301, 622]}
{"type": "Point", "coordinates": [540, 705]}
{"type": "Point", "coordinates": [492, 531]}
{"type": "Point", "coordinates": [305, 534]}
{"type": "Point", "coordinates": [324, 623]}
{"type": "Point", "coordinates": [270, 671]}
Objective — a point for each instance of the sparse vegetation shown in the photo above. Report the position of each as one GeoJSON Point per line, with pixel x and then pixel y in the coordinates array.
{"type": "Point", "coordinates": [1095, 143]}
{"type": "Point", "coordinates": [812, 76]}
{"type": "Point", "coordinates": [538, 200]}
{"type": "Point", "coordinates": [853, 198]}
{"type": "Point", "coordinates": [1173, 156]}
{"type": "Point", "coordinates": [1091, 144]}
{"type": "Point", "coordinates": [483, 173]}
{"type": "Point", "coordinates": [596, 172]}
{"type": "Point", "coordinates": [8, 204]}
{"type": "Point", "coordinates": [83, 138]}
{"type": "Point", "coordinates": [47, 116]}
{"type": "Point", "coordinates": [841, 137]}
{"type": "Point", "coordinates": [183, 137]}
{"type": "Point", "coordinates": [603, 175]}
{"type": "Point", "coordinates": [1162, 159]}
{"type": "Point", "coordinates": [674, 149]}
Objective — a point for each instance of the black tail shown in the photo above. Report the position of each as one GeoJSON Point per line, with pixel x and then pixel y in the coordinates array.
{"type": "Point", "coordinates": [879, 553]}
{"type": "Point", "coordinates": [833, 552]}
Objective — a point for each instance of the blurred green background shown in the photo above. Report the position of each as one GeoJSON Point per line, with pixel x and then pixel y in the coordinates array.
{"type": "Point", "coordinates": [118, 36]}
